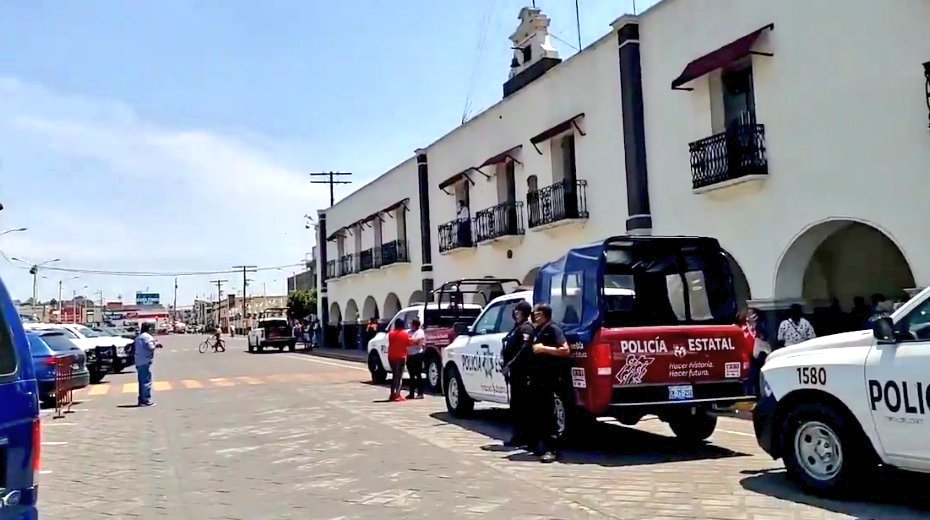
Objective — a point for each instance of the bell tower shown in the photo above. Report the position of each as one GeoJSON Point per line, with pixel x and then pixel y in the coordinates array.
{"type": "Point", "coordinates": [533, 52]}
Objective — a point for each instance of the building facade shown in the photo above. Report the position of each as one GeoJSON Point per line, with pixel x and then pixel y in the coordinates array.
{"type": "Point", "coordinates": [772, 126]}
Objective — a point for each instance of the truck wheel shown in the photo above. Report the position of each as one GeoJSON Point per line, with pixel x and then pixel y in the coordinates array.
{"type": "Point", "coordinates": [693, 429]}
{"type": "Point", "coordinates": [378, 373]}
{"type": "Point", "coordinates": [260, 349]}
{"type": "Point", "coordinates": [96, 376]}
{"type": "Point", "coordinates": [458, 402]}
{"type": "Point", "coordinates": [251, 348]}
{"type": "Point", "coordinates": [291, 347]}
{"type": "Point", "coordinates": [822, 449]}
{"type": "Point", "coordinates": [117, 367]}
{"type": "Point", "coordinates": [434, 374]}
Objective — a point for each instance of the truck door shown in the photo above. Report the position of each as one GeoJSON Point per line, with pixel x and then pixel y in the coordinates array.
{"type": "Point", "coordinates": [481, 359]}
{"type": "Point", "coordinates": [898, 391]}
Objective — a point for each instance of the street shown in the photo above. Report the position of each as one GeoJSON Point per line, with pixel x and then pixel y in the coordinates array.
{"type": "Point", "coordinates": [289, 435]}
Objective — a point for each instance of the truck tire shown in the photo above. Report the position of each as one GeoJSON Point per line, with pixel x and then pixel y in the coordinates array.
{"type": "Point", "coordinates": [251, 348]}
{"type": "Point", "coordinates": [117, 366]}
{"type": "Point", "coordinates": [96, 376]}
{"type": "Point", "coordinates": [434, 373]}
{"type": "Point", "coordinates": [458, 403]}
{"type": "Point", "coordinates": [693, 429]}
{"type": "Point", "coordinates": [378, 373]}
{"type": "Point", "coordinates": [291, 347]}
{"type": "Point", "coordinates": [822, 449]}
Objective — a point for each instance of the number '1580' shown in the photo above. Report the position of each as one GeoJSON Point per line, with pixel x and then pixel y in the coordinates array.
{"type": "Point", "coordinates": [812, 375]}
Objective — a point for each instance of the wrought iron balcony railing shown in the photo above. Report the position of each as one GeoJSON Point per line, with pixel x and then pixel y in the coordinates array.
{"type": "Point", "coordinates": [454, 235]}
{"type": "Point", "coordinates": [736, 153]}
{"type": "Point", "coordinates": [563, 200]}
{"type": "Point", "coordinates": [392, 252]}
{"type": "Point", "coordinates": [366, 260]}
{"type": "Point", "coordinates": [332, 269]}
{"type": "Point", "coordinates": [347, 265]}
{"type": "Point", "coordinates": [505, 219]}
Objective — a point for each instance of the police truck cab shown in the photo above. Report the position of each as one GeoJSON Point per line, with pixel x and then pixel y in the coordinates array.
{"type": "Point", "coordinates": [837, 406]}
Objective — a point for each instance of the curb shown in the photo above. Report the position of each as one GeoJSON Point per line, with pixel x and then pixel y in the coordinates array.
{"type": "Point", "coordinates": [347, 356]}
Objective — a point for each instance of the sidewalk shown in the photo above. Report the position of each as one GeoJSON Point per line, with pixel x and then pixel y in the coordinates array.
{"type": "Point", "coordinates": [358, 356]}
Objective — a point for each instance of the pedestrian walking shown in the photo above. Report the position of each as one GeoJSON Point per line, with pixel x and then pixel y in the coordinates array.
{"type": "Point", "coordinates": [144, 351]}
{"type": "Point", "coordinates": [415, 359]}
{"type": "Point", "coordinates": [515, 360]}
{"type": "Point", "coordinates": [795, 329]}
{"type": "Point", "coordinates": [398, 341]}
{"type": "Point", "coordinates": [546, 379]}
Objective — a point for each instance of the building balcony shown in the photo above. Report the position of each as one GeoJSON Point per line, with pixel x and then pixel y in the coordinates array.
{"type": "Point", "coordinates": [500, 221]}
{"type": "Point", "coordinates": [332, 269]}
{"type": "Point", "coordinates": [563, 202]}
{"type": "Point", "coordinates": [393, 252]}
{"type": "Point", "coordinates": [347, 265]}
{"type": "Point", "coordinates": [728, 158]}
{"type": "Point", "coordinates": [455, 235]}
{"type": "Point", "coordinates": [366, 260]}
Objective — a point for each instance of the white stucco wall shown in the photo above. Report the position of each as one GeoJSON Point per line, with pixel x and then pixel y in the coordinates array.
{"type": "Point", "coordinates": [586, 83]}
{"type": "Point", "coordinates": [846, 124]}
{"type": "Point", "coordinates": [401, 279]}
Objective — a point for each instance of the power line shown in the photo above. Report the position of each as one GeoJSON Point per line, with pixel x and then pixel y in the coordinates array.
{"type": "Point", "coordinates": [169, 274]}
{"type": "Point", "coordinates": [331, 181]}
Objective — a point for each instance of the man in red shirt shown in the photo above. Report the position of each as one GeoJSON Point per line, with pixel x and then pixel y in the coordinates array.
{"type": "Point", "coordinates": [398, 341]}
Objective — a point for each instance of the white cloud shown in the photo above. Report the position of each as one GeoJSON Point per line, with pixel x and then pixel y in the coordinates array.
{"type": "Point", "coordinates": [162, 198]}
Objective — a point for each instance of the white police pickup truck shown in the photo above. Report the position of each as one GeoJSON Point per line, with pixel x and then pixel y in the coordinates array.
{"type": "Point", "coordinates": [836, 406]}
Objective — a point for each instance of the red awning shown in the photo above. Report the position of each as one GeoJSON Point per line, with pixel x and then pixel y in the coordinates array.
{"type": "Point", "coordinates": [501, 157]}
{"type": "Point", "coordinates": [733, 51]}
{"type": "Point", "coordinates": [455, 178]}
{"type": "Point", "coordinates": [555, 130]}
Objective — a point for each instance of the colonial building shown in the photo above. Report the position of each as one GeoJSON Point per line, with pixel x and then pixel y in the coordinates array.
{"type": "Point", "coordinates": [795, 133]}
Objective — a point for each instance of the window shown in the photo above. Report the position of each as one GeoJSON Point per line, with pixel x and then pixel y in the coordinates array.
{"type": "Point", "coordinates": [732, 99]}
{"type": "Point", "coordinates": [7, 352]}
{"type": "Point", "coordinates": [489, 321]}
{"type": "Point", "coordinates": [916, 325]}
{"type": "Point", "coordinates": [572, 299]}
{"type": "Point", "coordinates": [563, 159]}
{"type": "Point", "coordinates": [447, 316]}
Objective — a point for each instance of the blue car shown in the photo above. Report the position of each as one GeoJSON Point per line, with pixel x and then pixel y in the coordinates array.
{"type": "Point", "coordinates": [49, 348]}
{"type": "Point", "coordinates": [19, 418]}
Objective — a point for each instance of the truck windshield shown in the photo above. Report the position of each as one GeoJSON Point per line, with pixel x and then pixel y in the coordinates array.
{"type": "Point", "coordinates": [667, 283]}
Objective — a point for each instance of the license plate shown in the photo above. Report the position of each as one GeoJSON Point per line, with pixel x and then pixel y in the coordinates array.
{"type": "Point", "coordinates": [680, 392]}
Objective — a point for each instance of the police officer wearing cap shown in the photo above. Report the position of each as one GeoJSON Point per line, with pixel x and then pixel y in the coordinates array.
{"type": "Point", "coordinates": [515, 358]}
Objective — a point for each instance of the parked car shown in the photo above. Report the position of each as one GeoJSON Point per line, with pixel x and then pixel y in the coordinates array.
{"type": "Point", "coordinates": [48, 349]}
{"type": "Point", "coordinates": [99, 360]}
{"type": "Point", "coordinates": [273, 332]}
{"type": "Point", "coordinates": [119, 332]}
{"type": "Point", "coordinates": [20, 429]}
{"type": "Point", "coordinates": [123, 347]}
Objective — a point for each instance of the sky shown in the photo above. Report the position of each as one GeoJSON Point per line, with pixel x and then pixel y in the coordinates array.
{"type": "Point", "coordinates": [176, 136]}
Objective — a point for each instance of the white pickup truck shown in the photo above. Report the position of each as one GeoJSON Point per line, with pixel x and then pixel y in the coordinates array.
{"type": "Point", "coordinates": [272, 332]}
{"type": "Point", "coordinates": [837, 406]}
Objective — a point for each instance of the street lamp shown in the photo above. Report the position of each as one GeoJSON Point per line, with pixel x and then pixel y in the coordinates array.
{"type": "Point", "coordinates": [17, 230]}
{"type": "Point", "coordinates": [34, 271]}
{"type": "Point", "coordinates": [60, 283]}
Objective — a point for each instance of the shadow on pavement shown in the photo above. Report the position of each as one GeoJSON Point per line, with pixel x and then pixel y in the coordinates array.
{"type": "Point", "coordinates": [609, 445]}
{"type": "Point", "coordinates": [885, 487]}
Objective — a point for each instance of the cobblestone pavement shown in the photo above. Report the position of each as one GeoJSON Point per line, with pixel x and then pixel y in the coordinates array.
{"type": "Point", "coordinates": [277, 436]}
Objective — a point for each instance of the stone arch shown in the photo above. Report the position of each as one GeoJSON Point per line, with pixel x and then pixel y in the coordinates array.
{"type": "Point", "coordinates": [370, 309]}
{"type": "Point", "coordinates": [841, 259]}
{"type": "Point", "coordinates": [391, 305]}
{"type": "Point", "coordinates": [530, 279]}
{"type": "Point", "coordinates": [351, 312]}
{"type": "Point", "coordinates": [335, 314]}
{"type": "Point", "coordinates": [416, 297]}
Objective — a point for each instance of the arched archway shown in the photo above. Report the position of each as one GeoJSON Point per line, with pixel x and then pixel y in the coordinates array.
{"type": "Point", "coordinates": [351, 312]}
{"type": "Point", "coordinates": [335, 314]}
{"type": "Point", "coordinates": [842, 259]}
{"type": "Point", "coordinates": [416, 297]}
{"type": "Point", "coordinates": [391, 306]}
{"type": "Point", "coordinates": [370, 309]}
{"type": "Point", "coordinates": [530, 279]}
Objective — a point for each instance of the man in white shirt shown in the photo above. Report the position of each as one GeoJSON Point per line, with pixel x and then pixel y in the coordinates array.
{"type": "Point", "coordinates": [415, 359]}
{"type": "Point", "coordinates": [796, 328]}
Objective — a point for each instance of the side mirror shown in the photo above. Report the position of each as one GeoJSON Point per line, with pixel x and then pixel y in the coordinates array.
{"type": "Point", "coordinates": [883, 330]}
{"type": "Point", "coordinates": [461, 328]}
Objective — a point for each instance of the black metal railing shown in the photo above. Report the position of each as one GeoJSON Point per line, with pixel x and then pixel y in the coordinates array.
{"type": "Point", "coordinates": [454, 235]}
{"type": "Point", "coordinates": [347, 265]}
{"type": "Point", "coordinates": [393, 252]}
{"type": "Point", "coordinates": [332, 269]}
{"type": "Point", "coordinates": [505, 219]}
{"type": "Point", "coordinates": [366, 260]}
{"type": "Point", "coordinates": [563, 200]}
{"type": "Point", "coordinates": [738, 152]}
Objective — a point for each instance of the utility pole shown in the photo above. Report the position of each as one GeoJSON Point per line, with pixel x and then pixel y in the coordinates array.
{"type": "Point", "coordinates": [219, 295]}
{"type": "Point", "coordinates": [60, 283]}
{"type": "Point", "coordinates": [246, 269]}
{"type": "Point", "coordinates": [174, 307]}
{"type": "Point", "coordinates": [331, 181]}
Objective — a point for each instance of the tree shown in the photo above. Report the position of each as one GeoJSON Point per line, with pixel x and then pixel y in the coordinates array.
{"type": "Point", "coordinates": [301, 303]}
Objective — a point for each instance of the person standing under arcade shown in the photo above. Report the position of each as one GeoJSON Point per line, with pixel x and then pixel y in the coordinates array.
{"type": "Point", "coordinates": [547, 377]}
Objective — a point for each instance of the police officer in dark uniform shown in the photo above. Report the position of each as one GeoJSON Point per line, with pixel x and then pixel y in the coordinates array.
{"type": "Point", "coordinates": [515, 357]}
{"type": "Point", "coordinates": [549, 363]}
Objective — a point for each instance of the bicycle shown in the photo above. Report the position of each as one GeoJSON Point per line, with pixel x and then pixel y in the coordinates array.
{"type": "Point", "coordinates": [218, 345]}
